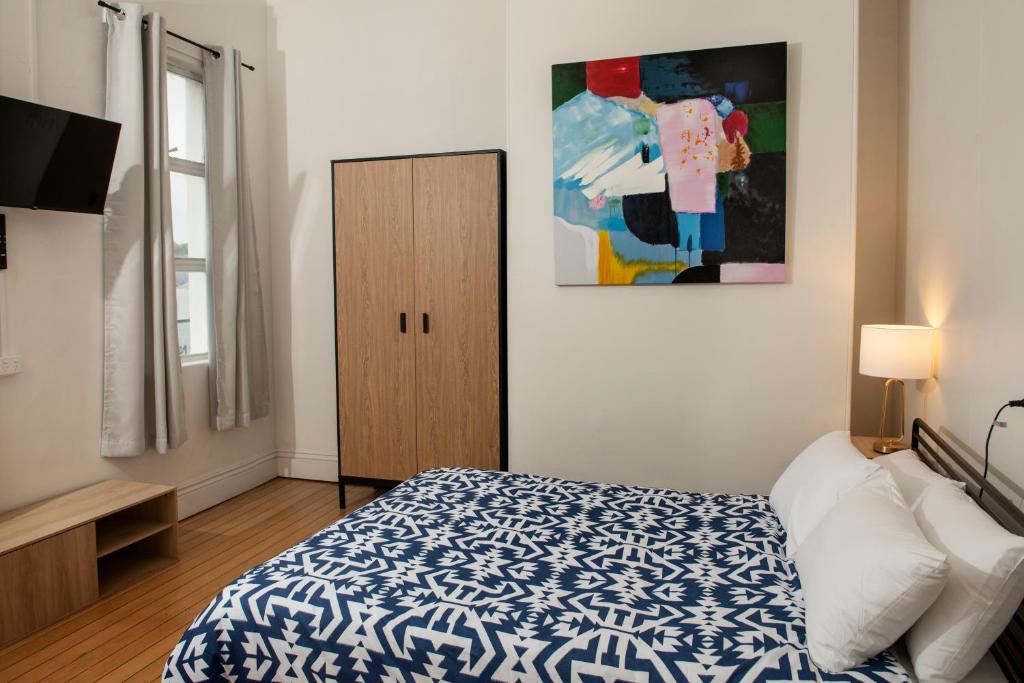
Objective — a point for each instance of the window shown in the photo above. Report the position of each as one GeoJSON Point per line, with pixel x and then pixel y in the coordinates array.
{"type": "Point", "coordinates": [186, 129]}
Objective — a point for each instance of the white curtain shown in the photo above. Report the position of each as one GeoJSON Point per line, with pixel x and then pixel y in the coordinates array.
{"type": "Point", "coordinates": [124, 359]}
{"type": "Point", "coordinates": [239, 368]}
{"type": "Point", "coordinates": [143, 399]}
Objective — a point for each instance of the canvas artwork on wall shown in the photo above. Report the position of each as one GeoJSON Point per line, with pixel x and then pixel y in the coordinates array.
{"type": "Point", "coordinates": [671, 168]}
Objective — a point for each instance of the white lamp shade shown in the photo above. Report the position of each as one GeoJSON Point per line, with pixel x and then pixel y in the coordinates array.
{"type": "Point", "coordinates": [901, 351]}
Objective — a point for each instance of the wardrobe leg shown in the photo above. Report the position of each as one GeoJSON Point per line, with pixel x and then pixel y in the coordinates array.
{"type": "Point", "coordinates": [341, 494]}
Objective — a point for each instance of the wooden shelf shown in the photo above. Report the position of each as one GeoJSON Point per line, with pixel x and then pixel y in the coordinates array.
{"type": "Point", "coordinates": [59, 555]}
{"type": "Point", "coordinates": [124, 567]}
{"type": "Point", "coordinates": [34, 523]}
{"type": "Point", "coordinates": [113, 537]}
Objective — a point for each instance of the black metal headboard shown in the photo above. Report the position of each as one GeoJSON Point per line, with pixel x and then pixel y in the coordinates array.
{"type": "Point", "coordinates": [936, 452]}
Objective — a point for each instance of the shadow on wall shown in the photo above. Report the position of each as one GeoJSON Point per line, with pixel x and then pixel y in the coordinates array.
{"type": "Point", "coordinates": [290, 227]}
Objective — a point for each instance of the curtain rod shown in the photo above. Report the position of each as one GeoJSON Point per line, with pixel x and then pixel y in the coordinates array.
{"type": "Point", "coordinates": [213, 52]}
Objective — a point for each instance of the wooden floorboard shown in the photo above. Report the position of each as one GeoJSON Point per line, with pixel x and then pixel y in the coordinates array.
{"type": "Point", "coordinates": [128, 635]}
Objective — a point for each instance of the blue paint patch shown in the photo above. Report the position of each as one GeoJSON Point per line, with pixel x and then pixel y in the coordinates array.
{"type": "Point", "coordinates": [689, 231]}
{"type": "Point", "coordinates": [738, 91]}
{"type": "Point", "coordinates": [723, 105]}
{"type": "Point", "coordinates": [655, 277]}
{"type": "Point", "coordinates": [588, 122]}
{"type": "Point", "coordinates": [650, 151]}
{"type": "Point", "coordinates": [630, 248]}
{"type": "Point", "coordinates": [671, 78]}
{"type": "Point", "coordinates": [573, 207]}
{"type": "Point", "coordinates": [712, 227]}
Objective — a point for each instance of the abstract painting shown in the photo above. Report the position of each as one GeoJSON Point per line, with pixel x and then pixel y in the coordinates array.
{"type": "Point", "coordinates": [671, 168]}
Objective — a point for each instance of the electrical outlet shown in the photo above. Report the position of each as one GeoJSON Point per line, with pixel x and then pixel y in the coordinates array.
{"type": "Point", "coordinates": [10, 365]}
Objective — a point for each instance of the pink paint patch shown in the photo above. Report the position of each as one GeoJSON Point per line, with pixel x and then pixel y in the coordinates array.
{"type": "Point", "coordinates": [597, 202]}
{"type": "Point", "coordinates": [736, 273]}
{"type": "Point", "coordinates": [736, 122]}
{"type": "Point", "coordinates": [689, 133]}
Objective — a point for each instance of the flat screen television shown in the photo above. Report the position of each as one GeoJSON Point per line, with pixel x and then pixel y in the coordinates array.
{"type": "Point", "coordinates": [54, 159]}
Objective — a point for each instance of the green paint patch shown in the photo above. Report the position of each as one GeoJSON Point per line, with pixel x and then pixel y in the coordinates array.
{"type": "Point", "coordinates": [642, 126]}
{"type": "Point", "coordinates": [567, 81]}
{"type": "Point", "coordinates": [767, 126]}
{"type": "Point", "coordinates": [723, 184]}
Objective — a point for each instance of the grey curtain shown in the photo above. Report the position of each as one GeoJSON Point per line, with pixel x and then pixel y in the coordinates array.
{"type": "Point", "coordinates": [124, 359]}
{"type": "Point", "coordinates": [239, 367]}
{"type": "Point", "coordinates": [143, 399]}
{"type": "Point", "coordinates": [165, 396]}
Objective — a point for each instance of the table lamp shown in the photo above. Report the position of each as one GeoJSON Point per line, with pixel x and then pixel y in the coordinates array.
{"type": "Point", "coordinates": [895, 352]}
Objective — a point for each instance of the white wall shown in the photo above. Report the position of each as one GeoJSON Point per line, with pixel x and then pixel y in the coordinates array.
{"type": "Point", "coordinates": [357, 79]}
{"type": "Point", "coordinates": [960, 66]}
{"type": "Point", "coordinates": [708, 387]}
{"type": "Point", "coordinates": [50, 413]}
{"type": "Point", "coordinates": [699, 387]}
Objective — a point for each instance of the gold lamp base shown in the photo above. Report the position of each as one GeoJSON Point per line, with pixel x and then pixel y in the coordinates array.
{"type": "Point", "coordinates": [891, 444]}
{"type": "Point", "coordinates": [886, 446]}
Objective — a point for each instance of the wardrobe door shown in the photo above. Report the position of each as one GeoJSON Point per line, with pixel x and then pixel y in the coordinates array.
{"type": "Point", "coordinates": [457, 327]}
{"type": "Point", "coordinates": [374, 288]}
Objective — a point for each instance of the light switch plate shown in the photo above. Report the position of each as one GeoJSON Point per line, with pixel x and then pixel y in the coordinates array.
{"type": "Point", "coordinates": [10, 365]}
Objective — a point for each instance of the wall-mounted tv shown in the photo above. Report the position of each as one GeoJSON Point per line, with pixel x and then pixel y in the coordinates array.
{"type": "Point", "coordinates": [54, 159]}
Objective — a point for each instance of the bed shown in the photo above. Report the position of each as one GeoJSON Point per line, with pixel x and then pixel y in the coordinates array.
{"type": "Point", "coordinates": [463, 575]}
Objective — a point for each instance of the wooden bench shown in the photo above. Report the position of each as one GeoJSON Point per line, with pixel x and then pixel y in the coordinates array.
{"type": "Point", "coordinates": [62, 554]}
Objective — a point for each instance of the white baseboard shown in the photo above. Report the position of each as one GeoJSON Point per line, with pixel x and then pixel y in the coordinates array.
{"type": "Point", "coordinates": [205, 492]}
{"type": "Point", "coordinates": [307, 465]}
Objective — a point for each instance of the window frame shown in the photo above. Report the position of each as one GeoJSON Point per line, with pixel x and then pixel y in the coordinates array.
{"type": "Point", "coordinates": [187, 66]}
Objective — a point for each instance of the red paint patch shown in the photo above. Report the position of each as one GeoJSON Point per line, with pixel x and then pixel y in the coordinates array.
{"type": "Point", "coordinates": [614, 77]}
{"type": "Point", "coordinates": [736, 122]}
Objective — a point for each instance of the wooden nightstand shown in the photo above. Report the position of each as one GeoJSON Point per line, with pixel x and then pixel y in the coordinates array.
{"type": "Point", "coordinates": [863, 444]}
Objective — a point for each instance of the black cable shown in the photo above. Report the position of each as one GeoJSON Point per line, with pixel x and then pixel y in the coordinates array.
{"type": "Point", "coordinates": [984, 474]}
{"type": "Point", "coordinates": [1019, 403]}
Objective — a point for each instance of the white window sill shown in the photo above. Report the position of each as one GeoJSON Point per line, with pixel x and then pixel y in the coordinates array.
{"type": "Point", "coordinates": [190, 361]}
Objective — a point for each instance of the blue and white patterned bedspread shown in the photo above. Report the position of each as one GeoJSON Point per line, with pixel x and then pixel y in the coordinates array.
{"type": "Point", "coordinates": [462, 575]}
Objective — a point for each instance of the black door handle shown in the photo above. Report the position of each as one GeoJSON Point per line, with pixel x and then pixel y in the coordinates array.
{"type": "Point", "coordinates": [426, 323]}
{"type": "Point", "coordinates": [401, 323]}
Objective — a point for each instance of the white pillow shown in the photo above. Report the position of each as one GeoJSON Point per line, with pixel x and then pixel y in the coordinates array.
{"type": "Point", "coordinates": [867, 574]}
{"type": "Point", "coordinates": [985, 587]}
{"type": "Point", "coordinates": [913, 476]}
{"type": "Point", "coordinates": [813, 483]}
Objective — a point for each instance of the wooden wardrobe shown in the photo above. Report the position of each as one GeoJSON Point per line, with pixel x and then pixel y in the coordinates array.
{"type": "Point", "coordinates": [419, 282]}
